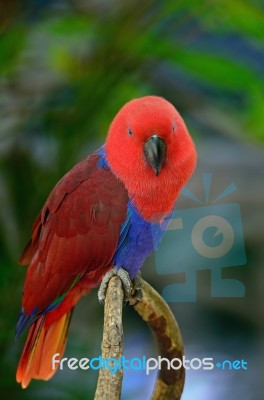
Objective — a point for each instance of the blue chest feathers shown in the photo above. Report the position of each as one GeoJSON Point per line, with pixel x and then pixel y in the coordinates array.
{"type": "Point", "coordinates": [138, 239]}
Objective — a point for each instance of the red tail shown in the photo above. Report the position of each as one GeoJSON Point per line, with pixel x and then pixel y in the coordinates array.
{"type": "Point", "coordinates": [42, 343]}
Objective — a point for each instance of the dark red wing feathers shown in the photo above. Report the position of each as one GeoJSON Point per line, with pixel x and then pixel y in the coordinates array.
{"type": "Point", "coordinates": [32, 245]}
{"type": "Point", "coordinates": [76, 233]}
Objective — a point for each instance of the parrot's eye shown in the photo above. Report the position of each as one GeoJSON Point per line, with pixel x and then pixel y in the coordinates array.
{"type": "Point", "coordinates": [130, 132]}
{"type": "Point", "coordinates": [173, 127]}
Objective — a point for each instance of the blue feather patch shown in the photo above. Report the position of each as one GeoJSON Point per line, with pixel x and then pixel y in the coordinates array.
{"type": "Point", "coordinates": [138, 239]}
{"type": "Point", "coordinates": [102, 162]}
{"type": "Point", "coordinates": [24, 321]}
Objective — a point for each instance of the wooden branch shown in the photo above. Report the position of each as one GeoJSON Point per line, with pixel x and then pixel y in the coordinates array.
{"type": "Point", "coordinates": [155, 311]}
{"type": "Point", "coordinates": [109, 386]}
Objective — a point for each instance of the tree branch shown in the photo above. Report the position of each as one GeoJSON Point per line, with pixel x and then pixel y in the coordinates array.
{"type": "Point", "coordinates": [155, 311]}
{"type": "Point", "coordinates": [109, 385]}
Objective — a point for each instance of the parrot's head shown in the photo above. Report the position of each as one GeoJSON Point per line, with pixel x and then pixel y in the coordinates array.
{"type": "Point", "coordinates": [149, 149]}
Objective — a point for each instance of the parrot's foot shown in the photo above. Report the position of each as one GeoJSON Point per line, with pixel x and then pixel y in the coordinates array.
{"type": "Point", "coordinates": [132, 289]}
{"type": "Point", "coordinates": [126, 282]}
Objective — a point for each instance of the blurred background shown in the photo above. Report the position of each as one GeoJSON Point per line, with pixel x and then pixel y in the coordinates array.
{"type": "Point", "coordinates": [66, 67]}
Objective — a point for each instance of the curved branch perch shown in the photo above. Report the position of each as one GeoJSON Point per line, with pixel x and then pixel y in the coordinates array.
{"type": "Point", "coordinates": [157, 314]}
{"type": "Point", "coordinates": [155, 311]}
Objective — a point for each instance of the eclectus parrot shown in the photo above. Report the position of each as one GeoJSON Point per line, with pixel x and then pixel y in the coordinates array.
{"type": "Point", "coordinates": [107, 213]}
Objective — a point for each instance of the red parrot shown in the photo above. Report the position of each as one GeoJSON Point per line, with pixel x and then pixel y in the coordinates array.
{"type": "Point", "coordinates": [107, 213]}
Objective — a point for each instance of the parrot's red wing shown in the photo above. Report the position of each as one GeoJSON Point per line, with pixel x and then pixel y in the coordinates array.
{"type": "Point", "coordinates": [76, 233]}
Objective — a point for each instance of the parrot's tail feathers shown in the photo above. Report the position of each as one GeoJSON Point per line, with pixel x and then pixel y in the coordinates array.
{"type": "Point", "coordinates": [42, 343]}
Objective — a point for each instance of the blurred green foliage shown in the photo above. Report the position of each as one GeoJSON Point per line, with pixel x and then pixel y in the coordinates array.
{"type": "Point", "coordinates": [66, 68]}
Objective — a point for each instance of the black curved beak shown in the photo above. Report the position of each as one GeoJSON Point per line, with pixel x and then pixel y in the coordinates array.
{"type": "Point", "coordinates": [155, 153]}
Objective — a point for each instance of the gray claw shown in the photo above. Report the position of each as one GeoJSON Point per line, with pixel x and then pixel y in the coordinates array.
{"type": "Point", "coordinates": [127, 284]}
{"type": "Point", "coordinates": [138, 292]}
{"type": "Point", "coordinates": [103, 286]}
